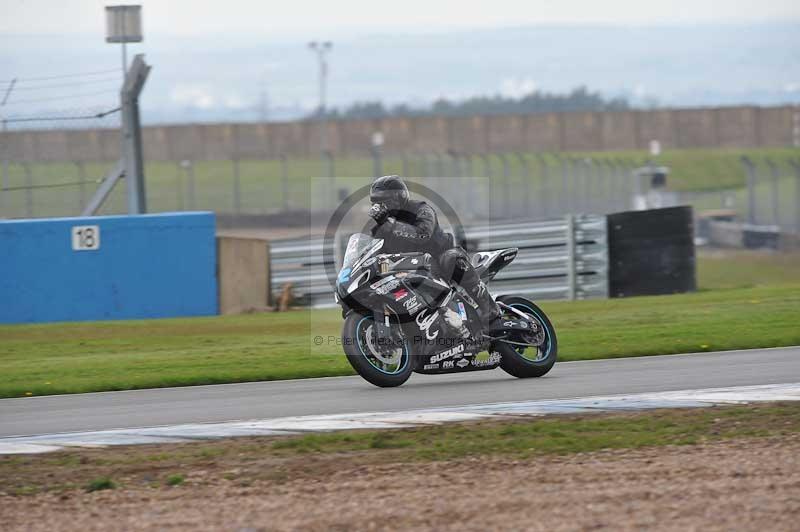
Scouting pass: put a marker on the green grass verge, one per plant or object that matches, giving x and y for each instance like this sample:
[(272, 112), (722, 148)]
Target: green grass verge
[(96, 356), (735, 268), (261, 188), (559, 435), (277, 459)]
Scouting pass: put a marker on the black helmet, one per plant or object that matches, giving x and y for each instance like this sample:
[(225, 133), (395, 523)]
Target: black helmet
[(389, 190)]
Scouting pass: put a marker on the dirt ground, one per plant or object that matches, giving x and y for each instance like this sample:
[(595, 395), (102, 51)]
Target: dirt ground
[(743, 484)]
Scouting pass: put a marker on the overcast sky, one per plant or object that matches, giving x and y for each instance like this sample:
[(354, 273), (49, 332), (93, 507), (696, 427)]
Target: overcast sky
[(333, 17)]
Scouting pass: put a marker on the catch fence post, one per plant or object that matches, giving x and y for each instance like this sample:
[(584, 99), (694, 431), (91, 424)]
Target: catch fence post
[(506, 185), (487, 173), (773, 189), (28, 190), (237, 193), (750, 169), (621, 188), (377, 163), (571, 278), (285, 182), (179, 188), (544, 189), (526, 176), (589, 177), (331, 170), (796, 167), (190, 185), (564, 183), (81, 185)]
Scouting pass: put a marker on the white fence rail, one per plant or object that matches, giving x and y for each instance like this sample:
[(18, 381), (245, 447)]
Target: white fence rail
[(559, 259)]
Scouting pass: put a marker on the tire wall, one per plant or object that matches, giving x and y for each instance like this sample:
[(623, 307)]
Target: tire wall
[(651, 252)]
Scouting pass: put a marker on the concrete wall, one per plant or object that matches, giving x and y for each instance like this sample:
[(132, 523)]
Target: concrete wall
[(148, 266), (734, 127), (243, 271)]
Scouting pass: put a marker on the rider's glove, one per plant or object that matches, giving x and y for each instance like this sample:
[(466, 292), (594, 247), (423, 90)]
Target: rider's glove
[(379, 212)]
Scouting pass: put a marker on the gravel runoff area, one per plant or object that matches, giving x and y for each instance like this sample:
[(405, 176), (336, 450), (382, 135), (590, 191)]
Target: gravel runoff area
[(740, 484)]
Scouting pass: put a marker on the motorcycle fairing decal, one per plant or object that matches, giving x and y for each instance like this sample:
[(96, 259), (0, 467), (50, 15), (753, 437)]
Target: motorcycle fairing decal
[(344, 275), (425, 321), (455, 351), (382, 282), (492, 360), (440, 282), (412, 305), (363, 277)]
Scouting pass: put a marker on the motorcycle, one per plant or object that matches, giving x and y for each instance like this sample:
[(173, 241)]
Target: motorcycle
[(400, 317)]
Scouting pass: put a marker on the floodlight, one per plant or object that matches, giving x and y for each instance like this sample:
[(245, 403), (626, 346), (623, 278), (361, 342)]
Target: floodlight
[(123, 24)]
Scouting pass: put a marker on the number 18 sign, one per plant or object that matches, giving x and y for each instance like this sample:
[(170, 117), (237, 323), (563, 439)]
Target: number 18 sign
[(86, 237)]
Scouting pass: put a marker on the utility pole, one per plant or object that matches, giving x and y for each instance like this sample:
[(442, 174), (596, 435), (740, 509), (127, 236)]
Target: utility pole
[(321, 50)]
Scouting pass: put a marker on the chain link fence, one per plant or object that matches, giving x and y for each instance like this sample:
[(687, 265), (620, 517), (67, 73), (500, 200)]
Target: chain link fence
[(53, 188), (503, 186)]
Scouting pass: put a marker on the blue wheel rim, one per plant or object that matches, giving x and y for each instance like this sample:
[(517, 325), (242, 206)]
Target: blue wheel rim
[(404, 358), (548, 345)]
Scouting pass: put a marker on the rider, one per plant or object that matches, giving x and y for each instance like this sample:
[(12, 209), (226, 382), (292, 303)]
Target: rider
[(408, 225)]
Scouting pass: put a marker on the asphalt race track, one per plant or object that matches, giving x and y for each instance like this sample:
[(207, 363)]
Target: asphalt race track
[(339, 395)]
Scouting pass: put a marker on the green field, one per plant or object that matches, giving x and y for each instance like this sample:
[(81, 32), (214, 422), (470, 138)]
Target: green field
[(262, 187), (81, 357), (732, 268)]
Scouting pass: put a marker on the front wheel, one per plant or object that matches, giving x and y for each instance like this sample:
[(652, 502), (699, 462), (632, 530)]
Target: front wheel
[(378, 360), (521, 361)]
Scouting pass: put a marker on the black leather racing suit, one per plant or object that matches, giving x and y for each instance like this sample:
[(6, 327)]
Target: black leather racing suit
[(416, 228)]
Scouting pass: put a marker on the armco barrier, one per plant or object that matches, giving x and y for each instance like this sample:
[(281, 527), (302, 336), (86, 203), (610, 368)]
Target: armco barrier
[(108, 267), (559, 259), (301, 263)]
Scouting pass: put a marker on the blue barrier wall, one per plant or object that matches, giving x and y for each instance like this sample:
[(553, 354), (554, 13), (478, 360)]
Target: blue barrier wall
[(147, 266)]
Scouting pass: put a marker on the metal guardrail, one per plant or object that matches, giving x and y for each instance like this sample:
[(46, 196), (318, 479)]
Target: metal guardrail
[(558, 259)]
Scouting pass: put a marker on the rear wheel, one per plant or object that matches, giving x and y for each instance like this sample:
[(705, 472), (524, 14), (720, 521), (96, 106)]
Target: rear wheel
[(377, 360), (521, 361)]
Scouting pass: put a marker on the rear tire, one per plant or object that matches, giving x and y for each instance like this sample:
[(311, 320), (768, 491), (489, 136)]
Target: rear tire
[(525, 362), (359, 345)]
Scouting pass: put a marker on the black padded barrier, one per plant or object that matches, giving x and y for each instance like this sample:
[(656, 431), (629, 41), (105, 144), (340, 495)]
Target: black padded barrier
[(651, 252)]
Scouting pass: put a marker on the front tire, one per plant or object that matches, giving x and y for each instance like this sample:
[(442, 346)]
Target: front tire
[(528, 362), (380, 366)]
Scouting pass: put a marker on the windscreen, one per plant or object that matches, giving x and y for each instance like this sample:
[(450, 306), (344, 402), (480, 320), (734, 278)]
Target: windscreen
[(359, 248)]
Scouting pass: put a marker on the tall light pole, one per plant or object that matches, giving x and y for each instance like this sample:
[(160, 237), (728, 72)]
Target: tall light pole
[(321, 50), (124, 25)]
